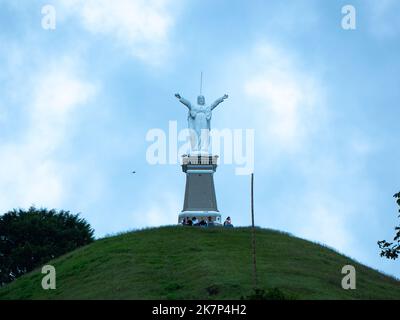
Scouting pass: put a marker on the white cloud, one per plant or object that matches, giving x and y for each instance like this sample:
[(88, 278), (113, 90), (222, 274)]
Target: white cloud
[(140, 26), (324, 220), (56, 94), (30, 173), (288, 101), (160, 209)]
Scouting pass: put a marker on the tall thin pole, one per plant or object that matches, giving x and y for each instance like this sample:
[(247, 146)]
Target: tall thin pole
[(201, 82), (253, 234)]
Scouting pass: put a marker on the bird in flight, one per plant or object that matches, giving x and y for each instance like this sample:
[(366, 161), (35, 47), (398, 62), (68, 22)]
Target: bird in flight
[(133, 171)]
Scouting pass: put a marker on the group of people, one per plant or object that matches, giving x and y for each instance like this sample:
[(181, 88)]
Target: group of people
[(205, 223)]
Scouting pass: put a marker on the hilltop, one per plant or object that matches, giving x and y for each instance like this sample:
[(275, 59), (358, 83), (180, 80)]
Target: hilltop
[(200, 263)]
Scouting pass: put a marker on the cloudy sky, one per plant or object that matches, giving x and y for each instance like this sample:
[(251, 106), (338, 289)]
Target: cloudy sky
[(77, 102)]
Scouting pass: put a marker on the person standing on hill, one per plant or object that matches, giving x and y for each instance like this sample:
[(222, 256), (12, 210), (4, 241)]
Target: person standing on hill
[(228, 222)]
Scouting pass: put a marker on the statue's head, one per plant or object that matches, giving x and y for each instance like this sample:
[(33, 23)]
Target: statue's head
[(201, 100)]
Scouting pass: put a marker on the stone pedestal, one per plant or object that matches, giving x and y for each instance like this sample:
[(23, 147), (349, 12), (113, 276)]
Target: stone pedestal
[(200, 200)]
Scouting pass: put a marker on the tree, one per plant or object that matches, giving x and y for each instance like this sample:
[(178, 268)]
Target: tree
[(391, 250), (29, 238)]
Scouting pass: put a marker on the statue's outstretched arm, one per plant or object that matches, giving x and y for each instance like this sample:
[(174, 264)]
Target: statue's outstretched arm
[(218, 101), (183, 100)]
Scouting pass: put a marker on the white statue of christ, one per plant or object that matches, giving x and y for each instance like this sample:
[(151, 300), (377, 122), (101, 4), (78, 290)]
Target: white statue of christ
[(199, 118)]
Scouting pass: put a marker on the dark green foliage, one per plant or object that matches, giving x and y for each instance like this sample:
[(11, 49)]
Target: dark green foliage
[(212, 290), (391, 250), (270, 294), (29, 238)]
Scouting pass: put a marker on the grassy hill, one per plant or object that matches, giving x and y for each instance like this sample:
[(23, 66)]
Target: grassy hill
[(197, 263)]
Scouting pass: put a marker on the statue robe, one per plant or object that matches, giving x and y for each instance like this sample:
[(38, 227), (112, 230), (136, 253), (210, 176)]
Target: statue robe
[(199, 123)]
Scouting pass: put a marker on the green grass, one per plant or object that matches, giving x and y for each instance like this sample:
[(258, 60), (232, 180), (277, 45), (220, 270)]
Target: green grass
[(197, 263)]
